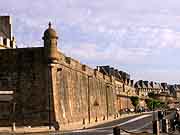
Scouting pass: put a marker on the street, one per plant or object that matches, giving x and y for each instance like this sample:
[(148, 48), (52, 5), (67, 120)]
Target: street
[(138, 123)]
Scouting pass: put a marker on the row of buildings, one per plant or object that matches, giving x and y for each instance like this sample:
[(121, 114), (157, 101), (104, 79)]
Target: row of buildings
[(145, 87), (142, 88)]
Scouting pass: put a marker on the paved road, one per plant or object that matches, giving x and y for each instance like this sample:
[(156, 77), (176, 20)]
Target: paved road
[(132, 124), (137, 123)]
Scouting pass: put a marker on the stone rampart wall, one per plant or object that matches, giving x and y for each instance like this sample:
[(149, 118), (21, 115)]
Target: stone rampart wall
[(86, 93), (78, 92), (23, 71)]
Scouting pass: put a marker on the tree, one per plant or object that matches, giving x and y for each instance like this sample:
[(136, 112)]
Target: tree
[(153, 104), (134, 101)]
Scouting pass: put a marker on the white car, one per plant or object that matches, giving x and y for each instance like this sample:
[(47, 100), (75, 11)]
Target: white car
[(131, 110)]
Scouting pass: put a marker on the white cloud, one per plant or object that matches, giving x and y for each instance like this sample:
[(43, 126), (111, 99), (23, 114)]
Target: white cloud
[(158, 76), (116, 32), (111, 54)]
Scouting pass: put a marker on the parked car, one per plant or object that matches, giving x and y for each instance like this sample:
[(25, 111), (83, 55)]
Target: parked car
[(131, 109)]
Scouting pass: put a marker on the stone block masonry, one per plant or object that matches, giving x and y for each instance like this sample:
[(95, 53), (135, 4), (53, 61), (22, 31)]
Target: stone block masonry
[(82, 91), (23, 72), (49, 88)]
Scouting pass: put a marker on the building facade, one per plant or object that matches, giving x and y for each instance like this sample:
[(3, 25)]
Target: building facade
[(145, 87)]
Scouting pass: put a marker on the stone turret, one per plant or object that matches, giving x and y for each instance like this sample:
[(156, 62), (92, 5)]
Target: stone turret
[(50, 44)]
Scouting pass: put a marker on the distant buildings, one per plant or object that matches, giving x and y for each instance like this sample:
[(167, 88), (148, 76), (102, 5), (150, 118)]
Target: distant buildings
[(174, 90), (120, 75), (142, 88), (145, 87)]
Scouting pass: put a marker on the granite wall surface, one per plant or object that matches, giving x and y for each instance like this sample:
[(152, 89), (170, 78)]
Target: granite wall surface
[(23, 71), (64, 92)]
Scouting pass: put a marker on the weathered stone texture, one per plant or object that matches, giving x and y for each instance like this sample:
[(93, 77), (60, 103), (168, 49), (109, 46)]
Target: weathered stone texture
[(82, 93), (49, 87), (123, 102), (74, 92), (23, 71), (76, 86)]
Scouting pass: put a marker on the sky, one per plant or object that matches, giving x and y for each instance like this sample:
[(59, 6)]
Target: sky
[(137, 36)]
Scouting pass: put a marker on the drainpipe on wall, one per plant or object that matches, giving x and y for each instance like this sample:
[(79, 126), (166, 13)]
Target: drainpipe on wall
[(89, 108), (107, 102)]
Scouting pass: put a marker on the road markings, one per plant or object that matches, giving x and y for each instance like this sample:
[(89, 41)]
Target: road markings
[(145, 125), (132, 120), (105, 128)]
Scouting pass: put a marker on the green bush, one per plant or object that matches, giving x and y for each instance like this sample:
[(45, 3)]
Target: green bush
[(154, 104)]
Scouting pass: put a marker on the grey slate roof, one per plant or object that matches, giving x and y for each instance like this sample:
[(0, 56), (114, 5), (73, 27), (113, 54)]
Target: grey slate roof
[(148, 85), (140, 84), (114, 72)]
